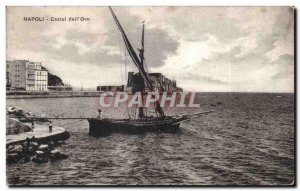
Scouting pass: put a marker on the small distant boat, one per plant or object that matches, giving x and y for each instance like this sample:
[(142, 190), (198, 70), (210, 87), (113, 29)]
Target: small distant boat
[(11, 110)]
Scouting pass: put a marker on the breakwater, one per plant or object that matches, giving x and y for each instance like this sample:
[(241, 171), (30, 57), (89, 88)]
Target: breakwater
[(50, 94)]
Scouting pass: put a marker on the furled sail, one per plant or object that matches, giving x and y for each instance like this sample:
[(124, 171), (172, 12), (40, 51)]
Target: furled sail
[(138, 62), (131, 52)]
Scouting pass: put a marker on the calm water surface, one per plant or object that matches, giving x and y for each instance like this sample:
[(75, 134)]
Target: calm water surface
[(249, 142)]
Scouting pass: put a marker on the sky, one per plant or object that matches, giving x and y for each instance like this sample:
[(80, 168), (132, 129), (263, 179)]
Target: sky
[(206, 49)]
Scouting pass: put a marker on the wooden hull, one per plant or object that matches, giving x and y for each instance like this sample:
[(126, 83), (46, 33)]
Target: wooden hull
[(105, 126)]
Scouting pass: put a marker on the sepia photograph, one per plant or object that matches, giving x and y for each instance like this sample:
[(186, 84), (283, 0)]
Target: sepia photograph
[(150, 96)]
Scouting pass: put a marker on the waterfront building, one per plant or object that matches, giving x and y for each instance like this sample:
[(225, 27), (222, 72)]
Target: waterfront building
[(25, 75), (111, 88), (8, 63), (159, 82)]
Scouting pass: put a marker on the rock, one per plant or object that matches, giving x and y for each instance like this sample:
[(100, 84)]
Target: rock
[(16, 149), (10, 149), (31, 150), (56, 155), (43, 147), (11, 110), (40, 157), (55, 151), (51, 145), (39, 152)]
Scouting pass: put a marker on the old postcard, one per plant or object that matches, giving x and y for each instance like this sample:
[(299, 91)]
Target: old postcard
[(150, 96)]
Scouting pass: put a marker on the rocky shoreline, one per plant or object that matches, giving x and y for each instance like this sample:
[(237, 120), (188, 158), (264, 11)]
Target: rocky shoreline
[(34, 151), (36, 146)]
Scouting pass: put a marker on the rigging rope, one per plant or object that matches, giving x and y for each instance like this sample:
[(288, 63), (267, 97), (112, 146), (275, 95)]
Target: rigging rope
[(146, 66), (126, 73), (120, 59), (71, 123)]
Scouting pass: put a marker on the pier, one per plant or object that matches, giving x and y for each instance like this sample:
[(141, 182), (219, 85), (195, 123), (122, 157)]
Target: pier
[(41, 134)]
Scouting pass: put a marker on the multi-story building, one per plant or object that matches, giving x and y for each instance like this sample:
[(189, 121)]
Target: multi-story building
[(28, 76), (8, 63)]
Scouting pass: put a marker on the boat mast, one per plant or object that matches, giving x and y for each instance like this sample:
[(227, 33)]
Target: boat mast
[(141, 109), (142, 49)]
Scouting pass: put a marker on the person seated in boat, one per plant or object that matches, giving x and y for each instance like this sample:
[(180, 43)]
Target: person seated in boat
[(99, 114)]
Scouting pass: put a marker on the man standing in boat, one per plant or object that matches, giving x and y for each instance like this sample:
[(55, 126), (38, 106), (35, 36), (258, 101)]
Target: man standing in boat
[(50, 127), (99, 114)]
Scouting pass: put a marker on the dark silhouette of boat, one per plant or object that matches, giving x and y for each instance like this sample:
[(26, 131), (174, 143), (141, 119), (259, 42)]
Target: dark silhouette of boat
[(143, 123), (149, 124)]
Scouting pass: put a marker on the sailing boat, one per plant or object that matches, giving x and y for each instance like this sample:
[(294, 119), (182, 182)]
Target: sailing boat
[(143, 123)]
